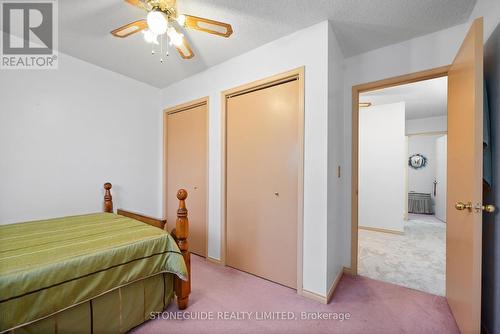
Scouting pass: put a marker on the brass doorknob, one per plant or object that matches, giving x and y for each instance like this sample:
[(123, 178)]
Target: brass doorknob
[(477, 208), (488, 208), (463, 206)]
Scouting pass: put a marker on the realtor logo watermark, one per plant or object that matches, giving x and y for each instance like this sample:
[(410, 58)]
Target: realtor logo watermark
[(29, 34)]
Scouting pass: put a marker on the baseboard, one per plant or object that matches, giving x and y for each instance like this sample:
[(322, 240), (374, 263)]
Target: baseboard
[(334, 285), (323, 299), (216, 261), (376, 229), (314, 296), (347, 271)]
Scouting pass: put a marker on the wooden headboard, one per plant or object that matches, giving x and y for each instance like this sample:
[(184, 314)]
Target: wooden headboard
[(180, 234)]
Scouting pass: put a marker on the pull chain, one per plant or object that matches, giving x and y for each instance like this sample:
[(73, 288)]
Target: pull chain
[(161, 50)]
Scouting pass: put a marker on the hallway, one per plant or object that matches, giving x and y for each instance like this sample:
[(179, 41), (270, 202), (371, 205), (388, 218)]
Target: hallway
[(415, 259)]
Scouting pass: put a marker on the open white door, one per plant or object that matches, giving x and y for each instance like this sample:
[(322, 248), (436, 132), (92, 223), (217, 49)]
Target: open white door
[(465, 168)]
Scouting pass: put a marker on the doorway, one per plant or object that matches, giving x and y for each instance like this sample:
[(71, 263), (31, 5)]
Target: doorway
[(464, 201), (263, 175), (185, 163), (402, 185)]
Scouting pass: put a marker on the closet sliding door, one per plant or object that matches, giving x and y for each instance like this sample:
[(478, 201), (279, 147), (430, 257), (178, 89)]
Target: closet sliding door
[(262, 171), (186, 167)]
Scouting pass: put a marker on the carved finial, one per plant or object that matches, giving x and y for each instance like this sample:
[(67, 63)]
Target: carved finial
[(182, 194), (108, 199)]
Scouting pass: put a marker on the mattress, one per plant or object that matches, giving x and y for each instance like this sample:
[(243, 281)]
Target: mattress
[(50, 265)]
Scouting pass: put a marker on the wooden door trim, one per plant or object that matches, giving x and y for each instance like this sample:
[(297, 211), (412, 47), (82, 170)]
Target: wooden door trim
[(356, 90), (173, 110), (297, 73)]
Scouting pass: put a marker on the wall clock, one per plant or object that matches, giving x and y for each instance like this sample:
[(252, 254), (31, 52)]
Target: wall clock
[(417, 161)]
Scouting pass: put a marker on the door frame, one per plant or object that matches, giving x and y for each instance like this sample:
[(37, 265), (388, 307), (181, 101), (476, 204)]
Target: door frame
[(297, 73), (356, 90), (173, 110)]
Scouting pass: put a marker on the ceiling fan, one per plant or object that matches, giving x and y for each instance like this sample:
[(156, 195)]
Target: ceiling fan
[(162, 20)]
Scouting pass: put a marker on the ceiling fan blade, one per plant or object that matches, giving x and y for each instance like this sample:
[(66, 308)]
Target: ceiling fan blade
[(206, 25), (184, 49), (130, 29)]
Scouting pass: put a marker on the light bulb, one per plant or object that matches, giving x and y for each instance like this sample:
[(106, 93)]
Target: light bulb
[(175, 38), (181, 19), (157, 22), (150, 37)]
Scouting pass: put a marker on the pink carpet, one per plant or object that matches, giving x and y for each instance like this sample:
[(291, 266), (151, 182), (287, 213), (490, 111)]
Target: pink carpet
[(374, 307)]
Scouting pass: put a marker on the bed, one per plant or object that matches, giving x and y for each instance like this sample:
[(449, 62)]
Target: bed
[(93, 273)]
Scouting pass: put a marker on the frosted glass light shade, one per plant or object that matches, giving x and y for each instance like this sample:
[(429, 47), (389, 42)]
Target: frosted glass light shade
[(150, 37), (175, 38), (157, 22)]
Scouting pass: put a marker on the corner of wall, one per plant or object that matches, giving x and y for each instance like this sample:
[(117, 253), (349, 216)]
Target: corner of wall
[(335, 188), (490, 11)]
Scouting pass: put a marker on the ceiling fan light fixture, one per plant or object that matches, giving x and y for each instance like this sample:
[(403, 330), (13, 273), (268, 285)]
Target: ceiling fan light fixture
[(181, 19), (157, 22), (150, 37), (176, 38)]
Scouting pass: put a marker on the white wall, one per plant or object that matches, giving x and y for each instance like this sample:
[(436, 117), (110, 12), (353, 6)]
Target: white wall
[(64, 132), (422, 180), (335, 212), (382, 164), (428, 124), (441, 177), (278, 56), (490, 9)]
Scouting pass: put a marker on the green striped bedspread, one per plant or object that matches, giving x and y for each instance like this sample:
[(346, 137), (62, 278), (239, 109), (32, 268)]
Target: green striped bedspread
[(49, 265)]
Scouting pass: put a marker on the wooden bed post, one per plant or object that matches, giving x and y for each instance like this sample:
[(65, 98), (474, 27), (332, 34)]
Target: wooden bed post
[(108, 199), (182, 288), (180, 233)]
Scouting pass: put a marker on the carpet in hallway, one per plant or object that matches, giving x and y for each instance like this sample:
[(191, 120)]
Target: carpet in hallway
[(416, 259)]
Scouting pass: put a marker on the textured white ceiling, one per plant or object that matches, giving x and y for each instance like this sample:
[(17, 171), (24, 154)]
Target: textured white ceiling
[(423, 99), (360, 25)]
